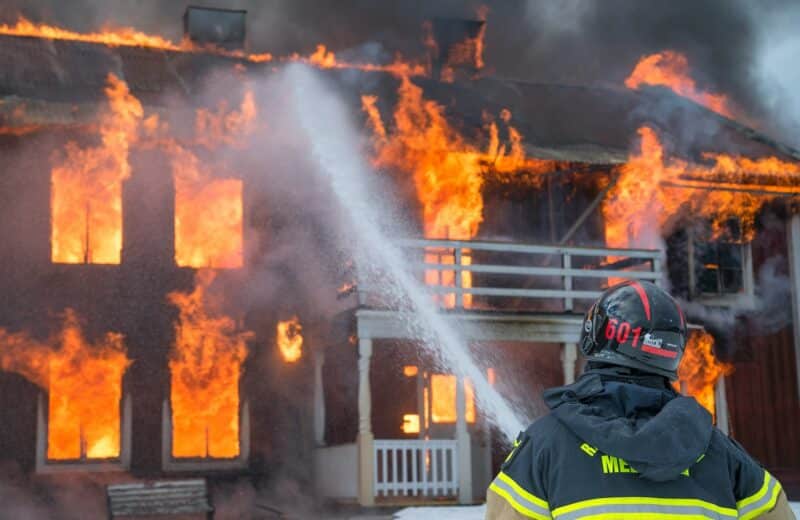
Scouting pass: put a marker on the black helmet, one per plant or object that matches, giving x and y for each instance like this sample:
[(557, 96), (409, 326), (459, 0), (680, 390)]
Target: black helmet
[(636, 325)]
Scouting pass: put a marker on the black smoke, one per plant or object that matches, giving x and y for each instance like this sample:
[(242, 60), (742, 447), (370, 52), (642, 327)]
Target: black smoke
[(732, 46)]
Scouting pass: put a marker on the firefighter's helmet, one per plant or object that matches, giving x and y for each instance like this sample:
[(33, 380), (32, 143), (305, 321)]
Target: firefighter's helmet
[(636, 325)]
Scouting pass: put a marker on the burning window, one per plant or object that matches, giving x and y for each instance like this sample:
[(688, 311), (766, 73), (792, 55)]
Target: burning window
[(206, 366), (83, 382), (443, 399), (86, 193)]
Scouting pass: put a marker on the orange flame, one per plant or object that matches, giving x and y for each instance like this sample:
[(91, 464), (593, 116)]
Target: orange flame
[(644, 198), (84, 385), (325, 58), (205, 365), (290, 340), (121, 37), (86, 196), (671, 69), (443, 399), (448, 172), (699, 370), (208, 210), (410, 423)]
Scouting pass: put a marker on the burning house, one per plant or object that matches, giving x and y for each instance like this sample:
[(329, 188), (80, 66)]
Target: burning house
[(159, 320)]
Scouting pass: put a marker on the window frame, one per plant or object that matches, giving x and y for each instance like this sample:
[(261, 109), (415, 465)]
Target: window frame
[(744, 298), (120, 463)]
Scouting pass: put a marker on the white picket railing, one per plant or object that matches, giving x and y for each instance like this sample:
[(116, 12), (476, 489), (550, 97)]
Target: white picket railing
[(415, 468), (501, 273)]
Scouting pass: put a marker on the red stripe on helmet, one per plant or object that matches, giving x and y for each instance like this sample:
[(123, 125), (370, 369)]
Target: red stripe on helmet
[(660, 351), (643, 295)]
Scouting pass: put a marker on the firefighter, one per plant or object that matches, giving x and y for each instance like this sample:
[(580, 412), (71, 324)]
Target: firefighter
[(620, 442)]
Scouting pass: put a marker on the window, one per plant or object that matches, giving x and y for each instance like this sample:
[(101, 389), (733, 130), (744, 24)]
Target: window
[(720, 268), (69, 438)]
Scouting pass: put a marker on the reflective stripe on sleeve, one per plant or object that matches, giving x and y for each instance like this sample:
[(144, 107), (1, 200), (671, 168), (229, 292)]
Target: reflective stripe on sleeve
[(762, 500), (521, 500), (643, 507)]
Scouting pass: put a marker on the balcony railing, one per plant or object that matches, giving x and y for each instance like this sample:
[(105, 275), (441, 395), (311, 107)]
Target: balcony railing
[(479, 275)]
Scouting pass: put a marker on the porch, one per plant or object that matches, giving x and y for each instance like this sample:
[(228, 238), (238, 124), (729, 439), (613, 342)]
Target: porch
[(492, 292)]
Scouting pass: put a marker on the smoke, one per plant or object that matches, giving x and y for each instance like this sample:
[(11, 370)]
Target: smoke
[(733, 47), (774, 69)]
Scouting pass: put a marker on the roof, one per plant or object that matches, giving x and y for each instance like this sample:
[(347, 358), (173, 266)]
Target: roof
[(60, 82)]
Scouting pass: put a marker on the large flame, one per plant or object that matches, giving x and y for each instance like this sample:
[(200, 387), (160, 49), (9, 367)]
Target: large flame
[(699, 370), (289, 339), (121, 36), (448, 171), (86, 195), (653, 188), (671, 69), (205, 365), (84, 386), (208, 209)]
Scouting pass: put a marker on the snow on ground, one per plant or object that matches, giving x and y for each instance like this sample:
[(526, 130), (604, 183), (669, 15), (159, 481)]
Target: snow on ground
[(441, 513), (471, 513)]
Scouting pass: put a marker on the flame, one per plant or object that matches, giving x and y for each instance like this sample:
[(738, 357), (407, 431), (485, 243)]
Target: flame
[(699, 369), (671, 69), (410, 423), (208, 209), (121, 37), (205, 367), (84, 385), (325, 58), (644, 199), (86, 196), (410, 370), (290, 340), (443, 399), (448, 172)]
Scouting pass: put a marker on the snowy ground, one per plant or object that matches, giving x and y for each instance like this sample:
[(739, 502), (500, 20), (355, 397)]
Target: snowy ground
[(471, 513)]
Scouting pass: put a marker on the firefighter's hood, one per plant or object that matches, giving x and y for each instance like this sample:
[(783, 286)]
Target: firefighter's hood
[(636, 418)]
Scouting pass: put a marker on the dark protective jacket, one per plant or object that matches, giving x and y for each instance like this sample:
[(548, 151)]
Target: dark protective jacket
[(618, 444)]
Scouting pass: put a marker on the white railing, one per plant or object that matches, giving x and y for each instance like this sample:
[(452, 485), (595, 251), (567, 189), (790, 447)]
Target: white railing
[(504, 274), (415, 468)]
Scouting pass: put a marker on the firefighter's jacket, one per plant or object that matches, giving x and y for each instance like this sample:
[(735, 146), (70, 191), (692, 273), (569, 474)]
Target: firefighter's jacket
[(618, 445)]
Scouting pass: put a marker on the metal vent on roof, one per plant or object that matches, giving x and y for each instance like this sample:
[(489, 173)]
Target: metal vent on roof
[(220, 27)]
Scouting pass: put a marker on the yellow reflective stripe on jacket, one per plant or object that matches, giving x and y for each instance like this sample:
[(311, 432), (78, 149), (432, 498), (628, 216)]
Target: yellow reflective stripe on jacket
[(521, 500), (762, 500), (643, 507)]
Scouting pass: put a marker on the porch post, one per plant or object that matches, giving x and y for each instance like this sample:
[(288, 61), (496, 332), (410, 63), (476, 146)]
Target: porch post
[(319, 399), (793, 233), (569, 355), (463, 446), (365, 440)]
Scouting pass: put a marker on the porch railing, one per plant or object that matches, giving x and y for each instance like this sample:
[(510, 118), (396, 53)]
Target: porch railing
[(508, 275), (415, 468)]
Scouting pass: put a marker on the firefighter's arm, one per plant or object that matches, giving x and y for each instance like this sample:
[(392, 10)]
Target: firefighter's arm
[(517, 492), (758, 494), (781, 511)]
